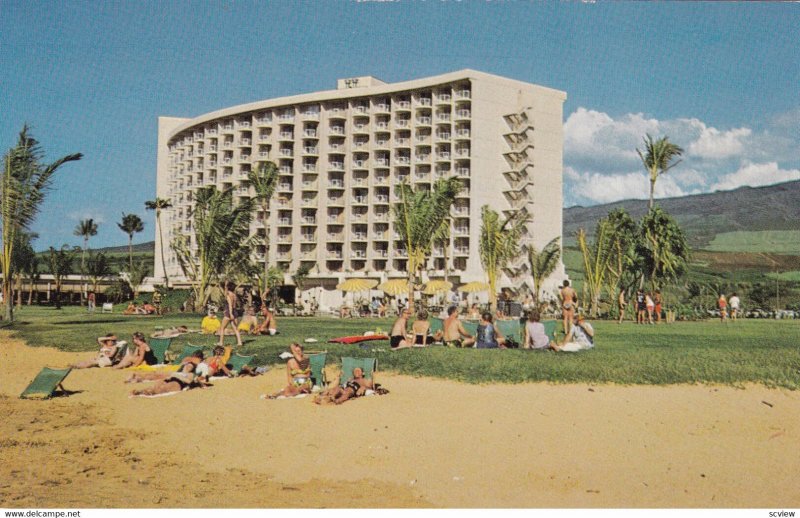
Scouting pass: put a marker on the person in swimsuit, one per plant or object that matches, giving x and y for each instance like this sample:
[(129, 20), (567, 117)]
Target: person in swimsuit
[(108, 351), (454, 333), (195, 359), (723, 308), (137, 355), (218, 362), (650, 306), (229, 315), (269, 326), (420, 330), (488, 337), (622, 305), (734, 302), (641, 307), (174, 382), (569, 300), (355, 387), (298, 374), (398, 335), (658, 300)]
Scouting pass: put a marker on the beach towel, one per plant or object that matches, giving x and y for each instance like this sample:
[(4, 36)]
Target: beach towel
[(45, 383), (356, 339)]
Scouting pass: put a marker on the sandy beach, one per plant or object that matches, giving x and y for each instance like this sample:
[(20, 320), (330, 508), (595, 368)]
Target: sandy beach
[(429, 443)]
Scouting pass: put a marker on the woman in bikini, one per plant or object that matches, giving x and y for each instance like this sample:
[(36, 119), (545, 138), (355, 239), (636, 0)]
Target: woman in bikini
[(298, 374), (229, 315), (355, 387), (195, 359), (420, 330), (569, 300), (138, 355), (174, 382)]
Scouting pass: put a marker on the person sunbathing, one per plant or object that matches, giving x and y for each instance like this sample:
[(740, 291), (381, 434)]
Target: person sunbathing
[(210, 324), (269, 326), (420, 331), (298, 374), (109, 345), (138, 355), (217, 363), (249, 322), (355, 387), (175, 382), (131, 309), (196, 358)]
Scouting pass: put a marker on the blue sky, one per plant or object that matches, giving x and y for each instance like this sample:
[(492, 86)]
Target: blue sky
[(721, 80)]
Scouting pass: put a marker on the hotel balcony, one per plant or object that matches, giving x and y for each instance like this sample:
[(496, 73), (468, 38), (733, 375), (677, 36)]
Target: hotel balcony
[(287, 152), (310, 133), (285, 222), (401, 123), (382, 108), (336, 184), (309, 168), (463, 114), (424, 121), (336, 166), (403, 106), (337, 130), (311, 150), (336, 237), (462, 171), (308, 220), (308, 238)]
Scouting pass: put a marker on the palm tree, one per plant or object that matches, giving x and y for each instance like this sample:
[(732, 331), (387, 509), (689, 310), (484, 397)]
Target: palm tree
[(98, 267), (662, 247), (442, 236), (264, 179), (60, 262), (499, 244), (657, 158), (543, 264), (418, 215), (31, 270), (158, 205), (131, 224), (86, 228), (221, 231), (25, 181)]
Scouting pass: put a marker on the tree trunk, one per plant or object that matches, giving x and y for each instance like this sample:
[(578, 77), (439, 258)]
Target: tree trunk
[(130, 253), (30, 292), (652, 191), (161, 241), (83, 266)]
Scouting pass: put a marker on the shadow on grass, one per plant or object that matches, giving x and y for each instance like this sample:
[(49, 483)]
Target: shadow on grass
[(89, 322)]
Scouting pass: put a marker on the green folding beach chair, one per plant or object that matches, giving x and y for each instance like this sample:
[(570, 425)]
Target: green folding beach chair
[(159, 347), (368, 365), (318, 368), (188, 350), (45, 384), (471, 327), (237, 362)]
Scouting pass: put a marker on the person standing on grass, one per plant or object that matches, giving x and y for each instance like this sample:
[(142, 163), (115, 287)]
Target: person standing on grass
[(569, 300), (229, 315), (650, 306), (622, 305), (658, 299), (641, 307), (723, 308), (734, 302)]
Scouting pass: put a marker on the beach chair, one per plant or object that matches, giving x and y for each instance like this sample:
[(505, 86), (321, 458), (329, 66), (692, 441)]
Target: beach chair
[(368, 365), (187, 351), (318, 368), (159, 347), (108, 307), (237, 362), (45, 384), (471, 327)]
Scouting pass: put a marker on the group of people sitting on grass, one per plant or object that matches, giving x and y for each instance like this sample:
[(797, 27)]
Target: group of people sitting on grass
[(579, 334)]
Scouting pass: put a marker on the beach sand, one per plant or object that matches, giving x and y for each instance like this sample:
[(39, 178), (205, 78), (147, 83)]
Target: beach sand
[(429, 443)]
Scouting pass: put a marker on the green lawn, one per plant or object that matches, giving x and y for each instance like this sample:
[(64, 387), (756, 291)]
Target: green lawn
[(759, 351), (767, 241)]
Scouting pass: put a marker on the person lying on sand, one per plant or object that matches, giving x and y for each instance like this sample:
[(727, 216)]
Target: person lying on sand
[(176, 381), (109, 345), (137, 355), (137, 377), (355, 387), (216, 364), (298, 374)]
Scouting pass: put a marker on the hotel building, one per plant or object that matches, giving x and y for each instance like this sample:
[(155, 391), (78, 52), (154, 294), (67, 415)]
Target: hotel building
[(341, 154)]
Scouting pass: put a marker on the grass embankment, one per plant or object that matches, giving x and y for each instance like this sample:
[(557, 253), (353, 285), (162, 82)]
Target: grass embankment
[(762, 351)]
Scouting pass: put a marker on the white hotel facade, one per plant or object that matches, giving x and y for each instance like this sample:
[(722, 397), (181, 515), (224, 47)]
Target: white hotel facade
[(341, 153)]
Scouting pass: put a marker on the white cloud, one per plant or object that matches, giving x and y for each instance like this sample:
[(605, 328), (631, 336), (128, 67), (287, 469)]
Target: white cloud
[(716, 144), (755, 175), (601, 163)]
